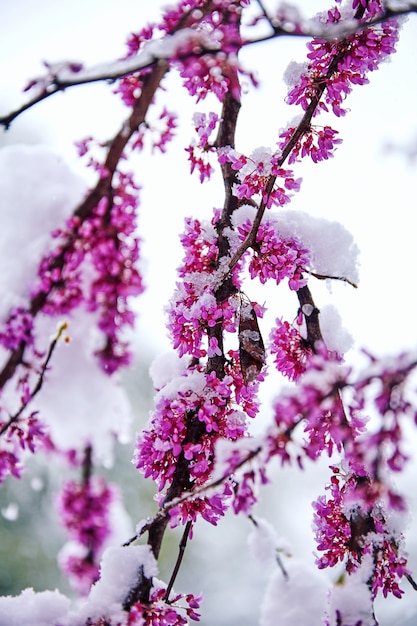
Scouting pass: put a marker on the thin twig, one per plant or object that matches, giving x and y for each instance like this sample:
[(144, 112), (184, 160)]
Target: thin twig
[(411, 581), (181, 550), (325, 277), (163, 512), (41, 378)]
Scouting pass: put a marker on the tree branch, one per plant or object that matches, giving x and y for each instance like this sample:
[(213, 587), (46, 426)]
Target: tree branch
[(102, 189), (152, 53), (181, 550), (303, 127), (41, 378)]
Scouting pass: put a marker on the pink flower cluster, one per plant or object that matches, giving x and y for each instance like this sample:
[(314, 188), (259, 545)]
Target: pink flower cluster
[(159, 612), (198, 153), (347, 531), (209, 508), (215, 73), (157, 133), (206, 62), (314, 407), (94, 264), (204, 403), (17, 328), (276, 257), (83, 509), (290, 350), (317, 143), (193, 306), (17, 437), (356, 55), (256, 171)]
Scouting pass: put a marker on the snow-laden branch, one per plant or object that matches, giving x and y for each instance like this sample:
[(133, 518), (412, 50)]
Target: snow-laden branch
[(67, 74), (292, 24)]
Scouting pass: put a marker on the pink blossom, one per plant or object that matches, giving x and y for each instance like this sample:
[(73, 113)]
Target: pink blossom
[(84, 511), (347, 532), (357, 55), (290, 350), (159, 612), (255, 173), (318, 144), (18, 328), (276, 257)]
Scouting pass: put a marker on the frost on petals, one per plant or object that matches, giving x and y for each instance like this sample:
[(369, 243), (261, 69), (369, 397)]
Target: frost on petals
[(193, 306), (94, 264), (276, 257), (203, 406), (356, 55), (348, 531), (254, 173)]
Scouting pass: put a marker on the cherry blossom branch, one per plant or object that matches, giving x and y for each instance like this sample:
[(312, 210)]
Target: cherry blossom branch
[(329, 32), (103, 189), (303, 127), (69, 74), (65, 77), (195, 428), (216, 362), (402, 369), (163, 512), (41, 379)]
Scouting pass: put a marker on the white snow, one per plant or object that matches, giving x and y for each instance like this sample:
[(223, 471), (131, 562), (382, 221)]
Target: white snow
[(29, 211), (191, 381), (120, 568), (333, 249), (163, 48), (293, 73), (352, 598), (78, 402), (334, 252), (119, 572), (298, 600), (33, 609), (263, 542), (336, 337)]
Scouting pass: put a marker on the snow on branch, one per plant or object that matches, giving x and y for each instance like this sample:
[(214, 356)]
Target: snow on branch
[(186, 43)]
